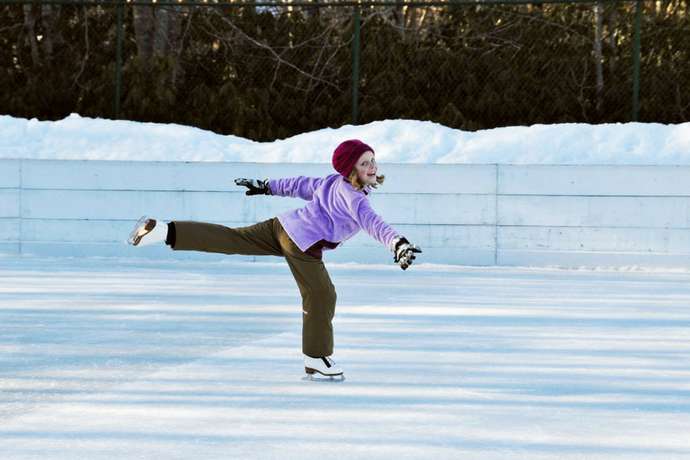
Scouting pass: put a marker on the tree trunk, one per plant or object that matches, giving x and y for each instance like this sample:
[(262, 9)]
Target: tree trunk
[(613, 46), (50, 16), (312, 11), (144, 29), (30, 33), (166, 31), (411, 19), (599, 55), (399, 16), (158, 32)]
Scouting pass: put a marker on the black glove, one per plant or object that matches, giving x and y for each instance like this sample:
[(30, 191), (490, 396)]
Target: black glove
[(404, 252), (255, 186)]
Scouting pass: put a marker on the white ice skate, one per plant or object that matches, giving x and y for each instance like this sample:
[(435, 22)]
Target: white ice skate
[(323, 368), (148, 231)]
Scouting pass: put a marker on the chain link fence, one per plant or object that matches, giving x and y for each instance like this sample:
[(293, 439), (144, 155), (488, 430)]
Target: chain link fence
[(272, 70)]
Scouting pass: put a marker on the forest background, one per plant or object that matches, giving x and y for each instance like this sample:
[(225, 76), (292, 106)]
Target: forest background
[(272, 70)]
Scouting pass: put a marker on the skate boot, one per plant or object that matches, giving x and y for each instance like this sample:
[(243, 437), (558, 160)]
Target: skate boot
[(322, 368), (148, 231)]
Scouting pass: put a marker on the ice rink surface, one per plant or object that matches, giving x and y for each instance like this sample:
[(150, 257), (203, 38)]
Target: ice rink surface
[(121, 359)]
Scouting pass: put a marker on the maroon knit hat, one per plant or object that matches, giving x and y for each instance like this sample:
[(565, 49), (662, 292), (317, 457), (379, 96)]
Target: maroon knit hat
[(347, 154)]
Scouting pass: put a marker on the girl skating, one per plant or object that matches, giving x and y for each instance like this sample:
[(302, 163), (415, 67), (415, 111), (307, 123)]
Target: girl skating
[(337, 209)]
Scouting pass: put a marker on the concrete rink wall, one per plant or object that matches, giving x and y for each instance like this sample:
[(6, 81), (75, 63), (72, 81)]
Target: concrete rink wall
[(511, 215)]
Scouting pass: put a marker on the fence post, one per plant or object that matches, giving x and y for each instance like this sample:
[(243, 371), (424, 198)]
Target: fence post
[(355, 65), (118, 58), (636, 62)]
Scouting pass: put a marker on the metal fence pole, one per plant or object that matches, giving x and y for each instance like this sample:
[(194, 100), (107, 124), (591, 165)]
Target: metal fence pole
[(636, 62), (118, 58), (355, 65)]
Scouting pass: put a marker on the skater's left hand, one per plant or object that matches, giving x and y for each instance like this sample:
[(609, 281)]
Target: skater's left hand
[(404, 252)]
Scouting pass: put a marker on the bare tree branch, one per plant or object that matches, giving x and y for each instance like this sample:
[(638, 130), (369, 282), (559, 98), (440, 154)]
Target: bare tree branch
[(86, 52), (277, 56)]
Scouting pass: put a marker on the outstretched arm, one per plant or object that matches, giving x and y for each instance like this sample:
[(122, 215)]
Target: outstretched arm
[(296, 187), (377, 228)]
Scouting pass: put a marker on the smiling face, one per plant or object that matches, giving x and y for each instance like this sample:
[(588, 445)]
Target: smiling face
[(366, 168)]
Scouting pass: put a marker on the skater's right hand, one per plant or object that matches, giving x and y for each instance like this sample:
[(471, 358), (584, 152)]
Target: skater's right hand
[(255, 186)]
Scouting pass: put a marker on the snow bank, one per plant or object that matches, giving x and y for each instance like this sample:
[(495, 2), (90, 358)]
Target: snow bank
[(395, 141)]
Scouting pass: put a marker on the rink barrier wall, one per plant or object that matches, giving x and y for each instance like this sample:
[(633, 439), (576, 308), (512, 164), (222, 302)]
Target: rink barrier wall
[(535, 215)]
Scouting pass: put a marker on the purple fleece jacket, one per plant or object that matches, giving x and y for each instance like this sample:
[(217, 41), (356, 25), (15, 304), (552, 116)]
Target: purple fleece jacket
[(336, 211)]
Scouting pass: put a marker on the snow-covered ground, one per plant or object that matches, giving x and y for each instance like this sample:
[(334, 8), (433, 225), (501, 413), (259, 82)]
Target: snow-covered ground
[(117, 359), (395, 141)]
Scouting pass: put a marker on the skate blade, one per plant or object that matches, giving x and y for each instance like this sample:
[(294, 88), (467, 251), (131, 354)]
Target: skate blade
[(324, 378), (142, 228), (315, 376)]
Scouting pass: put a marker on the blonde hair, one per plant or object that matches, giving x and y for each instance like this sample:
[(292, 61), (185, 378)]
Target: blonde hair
[(354, 180)]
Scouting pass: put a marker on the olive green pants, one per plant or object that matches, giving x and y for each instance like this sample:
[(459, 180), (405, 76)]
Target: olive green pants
[(268, 238)]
